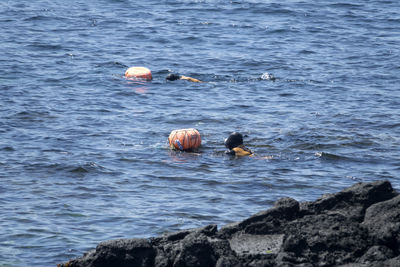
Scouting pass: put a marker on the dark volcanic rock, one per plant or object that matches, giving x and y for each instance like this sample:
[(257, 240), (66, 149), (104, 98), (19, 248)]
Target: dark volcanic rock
[(121, 252), (383, 223), (359, 226)]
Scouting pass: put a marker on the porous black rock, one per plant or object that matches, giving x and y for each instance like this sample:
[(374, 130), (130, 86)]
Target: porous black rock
[(359, 226)]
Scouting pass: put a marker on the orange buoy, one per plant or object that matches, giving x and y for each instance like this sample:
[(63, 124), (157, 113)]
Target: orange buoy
[(184, 139), (138, 72)]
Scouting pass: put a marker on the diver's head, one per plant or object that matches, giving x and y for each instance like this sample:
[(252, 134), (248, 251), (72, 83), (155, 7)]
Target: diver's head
[(173, 77), (235, 139)]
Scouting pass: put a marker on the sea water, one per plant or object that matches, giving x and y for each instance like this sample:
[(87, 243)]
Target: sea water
[(312, 85)]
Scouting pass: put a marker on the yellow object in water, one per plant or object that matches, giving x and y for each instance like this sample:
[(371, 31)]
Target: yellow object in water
[(190, 79), (242, 151)]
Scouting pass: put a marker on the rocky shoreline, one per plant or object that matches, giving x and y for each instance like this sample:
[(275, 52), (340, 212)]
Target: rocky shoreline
[(359, 226)]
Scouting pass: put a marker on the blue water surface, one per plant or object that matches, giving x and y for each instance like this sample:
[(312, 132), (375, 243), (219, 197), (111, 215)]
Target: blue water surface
[(312, 85)]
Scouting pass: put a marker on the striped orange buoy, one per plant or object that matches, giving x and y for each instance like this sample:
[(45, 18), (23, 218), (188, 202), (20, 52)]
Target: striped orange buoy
[(138, 72), (184, 139)]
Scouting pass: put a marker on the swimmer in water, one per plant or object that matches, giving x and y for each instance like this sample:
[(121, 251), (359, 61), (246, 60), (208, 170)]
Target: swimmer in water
[(174, 77), (235, 145)]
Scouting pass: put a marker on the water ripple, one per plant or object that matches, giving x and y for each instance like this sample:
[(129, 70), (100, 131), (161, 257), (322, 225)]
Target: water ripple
[(84, 152)]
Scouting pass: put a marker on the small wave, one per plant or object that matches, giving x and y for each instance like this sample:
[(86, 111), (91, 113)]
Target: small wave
[(7, 148), (272, 31), (37, 17), (307, 52), (32, 116), (329, 156), (346, 5), (287, 95), (313, 146), (72, 169), (275, 9), (43, 46), (112, 63), (86, 168), (79, 169)]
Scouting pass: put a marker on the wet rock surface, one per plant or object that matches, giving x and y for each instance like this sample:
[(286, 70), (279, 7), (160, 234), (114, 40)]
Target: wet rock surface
[(359, 226)]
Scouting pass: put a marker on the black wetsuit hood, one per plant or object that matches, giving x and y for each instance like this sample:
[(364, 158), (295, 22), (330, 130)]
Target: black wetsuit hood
[(235, 139), (173, 77)]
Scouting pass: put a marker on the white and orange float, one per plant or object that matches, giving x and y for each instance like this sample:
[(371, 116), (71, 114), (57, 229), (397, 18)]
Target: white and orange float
[(184, 139), (138, 73)]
